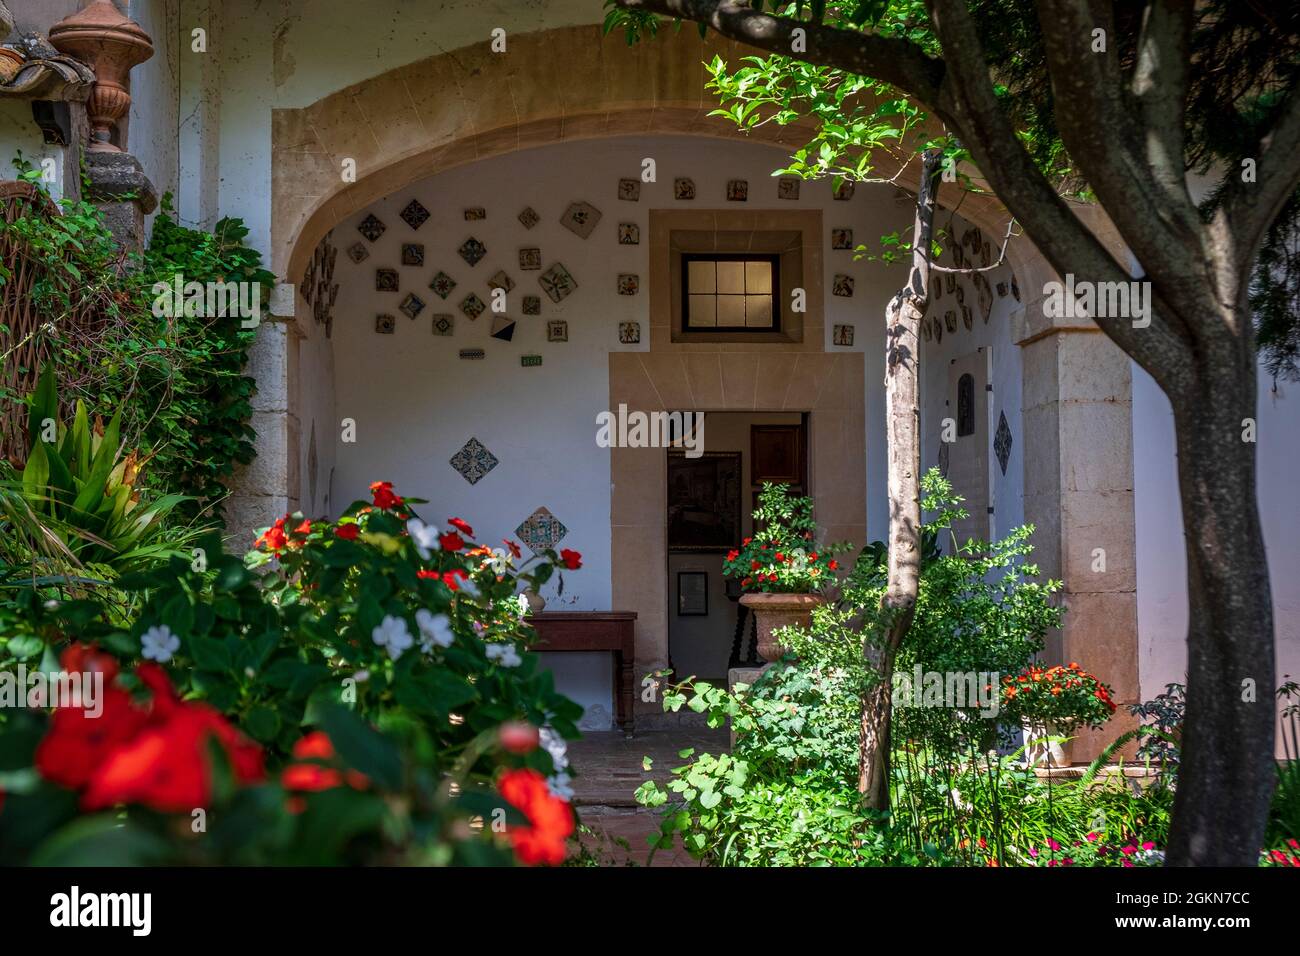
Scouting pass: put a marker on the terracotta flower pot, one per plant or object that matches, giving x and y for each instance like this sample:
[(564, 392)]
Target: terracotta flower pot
[(11, 61), (775, 611)]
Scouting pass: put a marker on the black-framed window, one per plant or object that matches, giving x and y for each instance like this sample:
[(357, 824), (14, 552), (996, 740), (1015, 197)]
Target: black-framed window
[(731, 292)]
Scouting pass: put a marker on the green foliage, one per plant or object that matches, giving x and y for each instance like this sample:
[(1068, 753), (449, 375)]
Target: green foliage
[(783, 555)]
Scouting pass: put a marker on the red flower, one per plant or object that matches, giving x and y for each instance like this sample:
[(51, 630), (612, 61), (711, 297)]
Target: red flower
[(316, 746), (273, 537), (572, 559), (451, 541), (348, 532), (514, 548), (550, 819), (87, 659), (449, 578), (780, 556), (834, 565), (383, 495), (746, 541), (461, 526), (518, 737), (813, 556), (433, 575), (304, 528), (754, 565), (76, 743)]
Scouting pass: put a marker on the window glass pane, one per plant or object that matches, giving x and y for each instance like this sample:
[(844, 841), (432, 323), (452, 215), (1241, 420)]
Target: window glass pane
[(731, 277), (731, 310), (701, 277), (758, 277), (758, 311), (704, 310)]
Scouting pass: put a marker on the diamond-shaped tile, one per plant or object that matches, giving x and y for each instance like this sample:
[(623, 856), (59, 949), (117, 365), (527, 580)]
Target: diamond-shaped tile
[(529, 217), (1002, 441), (556, 282), (444, 324), (541, 530), (580, 218), (501, 281), (414, 215), (442, 285), (471, 250), (412, 305), (472, 306), (358, 252), (371, 227), (473, 461)]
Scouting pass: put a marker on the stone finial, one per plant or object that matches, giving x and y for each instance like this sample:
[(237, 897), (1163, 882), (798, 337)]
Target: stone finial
[(111, 44)]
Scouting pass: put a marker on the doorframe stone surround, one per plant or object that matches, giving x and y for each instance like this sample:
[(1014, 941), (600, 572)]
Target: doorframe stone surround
[(572, 83)]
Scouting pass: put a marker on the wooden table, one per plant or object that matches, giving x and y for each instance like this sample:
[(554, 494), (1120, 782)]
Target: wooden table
[(594, 631)]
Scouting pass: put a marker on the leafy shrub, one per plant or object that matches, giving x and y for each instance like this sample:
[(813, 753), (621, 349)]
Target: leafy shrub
[(783, 556)]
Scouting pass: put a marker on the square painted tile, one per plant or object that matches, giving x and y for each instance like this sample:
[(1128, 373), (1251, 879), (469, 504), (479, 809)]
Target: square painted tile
[(472, 251), (541, 530), (557, 330), (472, 306), (386, 280), (737, 190), (842, 286), (629, 333), (473, 461), (532, 305), (628, 284), (629, 234), (580, 219), (683, 188), (412, 253), (529, 217), (385, 324), (358, 252), (787, 187), (442, 285), (629, 189), (530, 259), (844, 191), (841, 238), (414, 215), (371, 227), (444, 324), (842, 335), (501, 281), (412, 305), (556, 282), (475, 214)]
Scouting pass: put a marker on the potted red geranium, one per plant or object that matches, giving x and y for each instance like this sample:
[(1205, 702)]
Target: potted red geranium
[(781, 568), (1052, 702)]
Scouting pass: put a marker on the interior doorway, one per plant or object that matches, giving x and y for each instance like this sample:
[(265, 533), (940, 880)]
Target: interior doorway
[(708, 512), (970, 452)]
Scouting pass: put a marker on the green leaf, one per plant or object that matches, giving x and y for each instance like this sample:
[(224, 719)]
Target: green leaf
[(362, 747)]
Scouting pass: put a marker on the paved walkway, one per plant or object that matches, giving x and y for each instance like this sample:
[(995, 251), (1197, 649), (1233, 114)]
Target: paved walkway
[(609, 769)]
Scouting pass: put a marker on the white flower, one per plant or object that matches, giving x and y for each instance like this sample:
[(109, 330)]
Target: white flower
[(554, 745), (560, 787), (434, 629), (393, 634), (499, 560), (424, 536), (503, 654), (159, 644), (523, 605), (361, 676)]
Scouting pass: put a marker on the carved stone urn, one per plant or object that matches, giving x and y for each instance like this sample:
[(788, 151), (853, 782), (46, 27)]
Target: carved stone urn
[(110, 43), (775, 611)]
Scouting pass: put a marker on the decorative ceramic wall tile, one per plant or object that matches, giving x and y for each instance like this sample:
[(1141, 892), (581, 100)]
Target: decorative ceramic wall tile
[(1002, 441), (841, 238), (385, 324), (842, 286), (412, 305), (442, 285), (983, 296), (843, 335), (683, 188), (629, 189), (532, 305), (444, 324), (925, 327), (530, 259), (472, 354), (967, 317), (530, 361), (414, 215), (529, 217), (629, 333), (960, 292), (580, 218), (1015, 288), (787, 187), (386, 280), (541, 530), (371, 227), (959, 257), (472, 306), (628, 284), (503, 328), (1002, 290), (475, 213), (938, 329), (844, 191), (556, 282), (737, 190), (557, 330), (412, 254), (473, 461), (501, 281), (950, 320), (937, 288), (471, 250), (358, 252), (629, 234), (944, 455)]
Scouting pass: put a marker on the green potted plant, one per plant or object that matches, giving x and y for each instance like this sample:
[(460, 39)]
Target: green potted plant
[(1053, 702), (781, 568)]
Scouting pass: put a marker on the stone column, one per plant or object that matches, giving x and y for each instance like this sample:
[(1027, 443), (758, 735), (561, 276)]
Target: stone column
[(1076, 416)]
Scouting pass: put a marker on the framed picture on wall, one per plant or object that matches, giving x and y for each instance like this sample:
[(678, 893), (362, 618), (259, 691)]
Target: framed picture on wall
[(776, 454), (704, 501), (692, 593)]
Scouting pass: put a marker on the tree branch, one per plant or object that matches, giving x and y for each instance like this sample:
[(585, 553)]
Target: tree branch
[(1251, 207), (1159, 87)]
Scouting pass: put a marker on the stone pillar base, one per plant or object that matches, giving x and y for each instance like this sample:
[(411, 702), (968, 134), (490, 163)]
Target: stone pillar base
[(123, 193)]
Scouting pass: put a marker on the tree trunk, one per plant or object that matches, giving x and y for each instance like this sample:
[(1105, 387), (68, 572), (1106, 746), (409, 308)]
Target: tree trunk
[(902, 424), (1227, 774)]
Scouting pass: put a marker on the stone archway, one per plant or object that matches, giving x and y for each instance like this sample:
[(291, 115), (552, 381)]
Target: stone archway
[(571, 84)]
